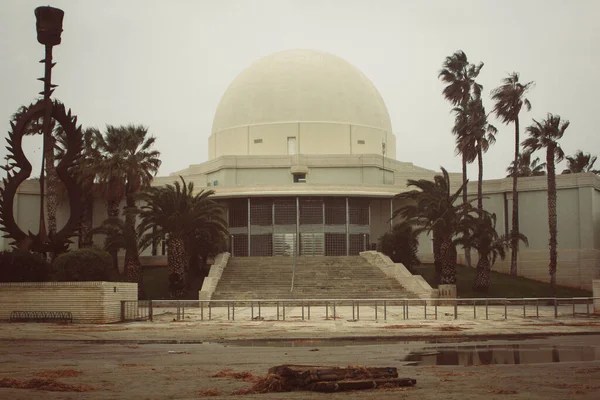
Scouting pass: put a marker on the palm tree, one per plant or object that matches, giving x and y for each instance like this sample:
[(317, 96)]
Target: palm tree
[(479, 233), (509, 99), (86, 173), (401, 245), (526, 167), (459, 76), (175, 212), (120, 236), (127, 166), (482, 135), (580, 162), (431, 208), (546, 134)]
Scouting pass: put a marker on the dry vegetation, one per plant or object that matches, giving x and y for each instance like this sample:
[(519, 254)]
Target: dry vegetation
[(240, 376), (44, 384), (209, 392), (59, 373)]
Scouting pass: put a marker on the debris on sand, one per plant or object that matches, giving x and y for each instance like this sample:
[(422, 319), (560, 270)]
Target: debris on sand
[(59, 373), (245, 376), (271, 383), (401, 327), (44, 384), (450, 328), (286, 378), (209, 392)]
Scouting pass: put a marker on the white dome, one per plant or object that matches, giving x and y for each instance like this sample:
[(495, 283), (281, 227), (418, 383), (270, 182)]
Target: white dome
[(301, 86)]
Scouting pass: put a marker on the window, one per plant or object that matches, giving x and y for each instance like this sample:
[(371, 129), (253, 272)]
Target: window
[(299, 178), (291, 142)]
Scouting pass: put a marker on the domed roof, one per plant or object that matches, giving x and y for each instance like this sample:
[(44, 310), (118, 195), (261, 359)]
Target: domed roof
[(301, 86)]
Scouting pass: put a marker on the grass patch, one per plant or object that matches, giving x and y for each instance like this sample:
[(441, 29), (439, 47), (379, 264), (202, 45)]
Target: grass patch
[(156, 284), (503, 285)]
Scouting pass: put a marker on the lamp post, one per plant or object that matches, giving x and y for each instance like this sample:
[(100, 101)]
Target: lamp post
[(49, 27)]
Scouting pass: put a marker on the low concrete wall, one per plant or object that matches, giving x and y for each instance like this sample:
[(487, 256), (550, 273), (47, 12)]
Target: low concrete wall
[(210, 282), (596, 291), (89, 302), (576, 268), (412, 283)]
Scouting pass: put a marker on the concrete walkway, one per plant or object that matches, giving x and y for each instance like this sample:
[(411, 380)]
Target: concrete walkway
[(393, 322)]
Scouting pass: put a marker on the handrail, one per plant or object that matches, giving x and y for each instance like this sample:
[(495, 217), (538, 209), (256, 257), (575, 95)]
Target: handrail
[(458, 304), (409, 299)]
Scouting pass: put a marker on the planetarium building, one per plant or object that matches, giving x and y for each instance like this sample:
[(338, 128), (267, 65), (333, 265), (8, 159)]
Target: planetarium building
[(303, 155)]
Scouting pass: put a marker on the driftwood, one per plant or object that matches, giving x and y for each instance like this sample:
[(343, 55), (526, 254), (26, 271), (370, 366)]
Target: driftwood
[(334, 379), (342, 386)]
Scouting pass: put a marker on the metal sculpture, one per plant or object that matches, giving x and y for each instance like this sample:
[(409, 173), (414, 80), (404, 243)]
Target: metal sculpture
[(49, 28)]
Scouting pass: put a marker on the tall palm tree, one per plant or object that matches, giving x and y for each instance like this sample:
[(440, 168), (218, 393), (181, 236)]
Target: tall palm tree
[(175, 212), (431, 207), (526, 167), (128, 165), (546, 134), (509, 99), (479, 233), (120, 236), (86, 173), (459, 76), (580, 162), (482, 135)]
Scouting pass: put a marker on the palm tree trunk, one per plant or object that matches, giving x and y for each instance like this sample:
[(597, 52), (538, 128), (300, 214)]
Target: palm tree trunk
[(448, 255), (515, 211), (134, 272), (177, 260), (437, 259), (552, 215), (51, 188), (112, 209), (465, 201), (483, 275), (87, 221), (480, 178)]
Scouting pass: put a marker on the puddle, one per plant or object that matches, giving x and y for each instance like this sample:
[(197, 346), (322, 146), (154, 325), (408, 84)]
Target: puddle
[(317, 343), (502, 354)]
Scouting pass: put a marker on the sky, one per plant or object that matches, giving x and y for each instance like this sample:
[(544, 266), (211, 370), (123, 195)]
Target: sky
[(166, 64)]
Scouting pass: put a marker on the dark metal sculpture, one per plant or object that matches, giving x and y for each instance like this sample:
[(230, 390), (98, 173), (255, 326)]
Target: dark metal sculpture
[(49, 28)]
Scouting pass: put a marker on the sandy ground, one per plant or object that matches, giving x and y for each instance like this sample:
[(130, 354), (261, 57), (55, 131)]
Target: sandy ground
[(181, 371), (168, 359)]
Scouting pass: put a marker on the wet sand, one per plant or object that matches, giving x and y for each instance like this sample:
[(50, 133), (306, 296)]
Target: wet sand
[(181, 371)]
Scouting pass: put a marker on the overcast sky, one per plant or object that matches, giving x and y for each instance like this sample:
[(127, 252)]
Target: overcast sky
[(166, 64)]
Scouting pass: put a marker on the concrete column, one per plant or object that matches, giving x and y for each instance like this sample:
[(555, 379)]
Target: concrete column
[(586, 218), (249, 233), (391, 213), (297, 226), (347, 228), (370, 230)]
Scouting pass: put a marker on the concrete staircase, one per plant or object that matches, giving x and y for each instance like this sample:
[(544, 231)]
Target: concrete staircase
[(316, 278)]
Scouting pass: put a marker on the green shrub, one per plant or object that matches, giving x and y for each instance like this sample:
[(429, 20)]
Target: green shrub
[(82, 265), (401, 245), (23, 266)]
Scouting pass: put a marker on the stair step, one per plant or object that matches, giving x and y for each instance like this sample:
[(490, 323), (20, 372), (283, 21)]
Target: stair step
[(315, 277)]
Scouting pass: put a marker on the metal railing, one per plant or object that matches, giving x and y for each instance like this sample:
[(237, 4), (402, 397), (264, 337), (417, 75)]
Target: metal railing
[(358, 309)]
